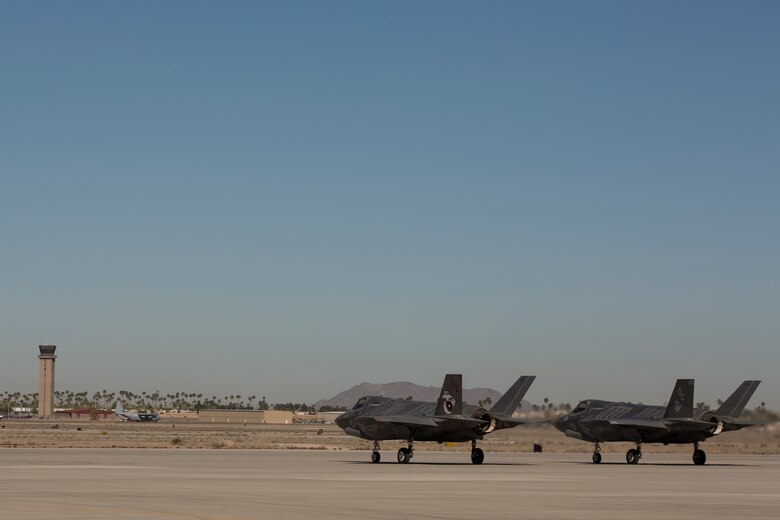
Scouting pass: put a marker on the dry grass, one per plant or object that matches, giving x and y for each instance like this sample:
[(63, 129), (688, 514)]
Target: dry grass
[(194, 435)]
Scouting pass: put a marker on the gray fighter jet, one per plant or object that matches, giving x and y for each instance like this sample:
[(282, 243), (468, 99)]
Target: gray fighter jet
[(678, 423), (379, 418)]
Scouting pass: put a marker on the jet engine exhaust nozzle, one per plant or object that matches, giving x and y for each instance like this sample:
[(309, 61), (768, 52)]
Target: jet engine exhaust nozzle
[(484, 415)]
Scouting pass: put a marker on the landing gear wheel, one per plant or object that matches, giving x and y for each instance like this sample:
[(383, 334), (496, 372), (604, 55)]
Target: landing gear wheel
[(375, 457), (699, 457), (632, 456), (597, 458), (477, 456), (404, 455)]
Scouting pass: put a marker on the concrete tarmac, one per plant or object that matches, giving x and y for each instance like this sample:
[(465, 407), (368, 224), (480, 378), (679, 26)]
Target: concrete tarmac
[(244, 484)]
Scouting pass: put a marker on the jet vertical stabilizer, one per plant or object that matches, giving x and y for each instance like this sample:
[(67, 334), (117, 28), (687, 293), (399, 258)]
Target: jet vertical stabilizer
[(451, 398), (737, 401), (511, 399), (681, 402)]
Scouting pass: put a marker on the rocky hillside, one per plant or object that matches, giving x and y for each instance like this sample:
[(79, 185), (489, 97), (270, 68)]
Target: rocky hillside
[(404, 389)]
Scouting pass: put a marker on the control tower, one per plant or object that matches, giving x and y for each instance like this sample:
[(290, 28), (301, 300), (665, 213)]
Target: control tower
[(46, 381)]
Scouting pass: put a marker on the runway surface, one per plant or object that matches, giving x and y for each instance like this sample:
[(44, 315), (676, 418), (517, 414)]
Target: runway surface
[(243, 484)]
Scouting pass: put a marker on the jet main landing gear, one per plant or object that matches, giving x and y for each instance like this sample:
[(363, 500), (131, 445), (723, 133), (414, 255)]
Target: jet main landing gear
[(477, 455), (699, 457), (406, 454), (633, 455)]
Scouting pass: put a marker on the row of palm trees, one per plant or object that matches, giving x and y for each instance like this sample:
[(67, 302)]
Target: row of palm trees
[(10, 400), (156, 400)]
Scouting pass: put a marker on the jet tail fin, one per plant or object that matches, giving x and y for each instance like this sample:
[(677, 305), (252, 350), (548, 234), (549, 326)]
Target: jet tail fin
[(681, 402), (509, 402), (737, 401), (451, 398), (119, 408)]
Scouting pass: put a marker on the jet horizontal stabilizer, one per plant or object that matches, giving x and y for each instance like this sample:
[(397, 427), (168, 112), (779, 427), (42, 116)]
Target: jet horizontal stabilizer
[(507, 421), (693, 425), (736, 424)]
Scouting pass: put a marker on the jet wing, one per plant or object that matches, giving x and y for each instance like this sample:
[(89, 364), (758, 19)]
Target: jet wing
[(407, 420), (421, 421), (629, 422), (677, 424)]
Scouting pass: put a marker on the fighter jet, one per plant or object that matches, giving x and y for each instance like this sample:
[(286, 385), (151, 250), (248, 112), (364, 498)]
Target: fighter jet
[(379, 418), (678, 423), (133, 416)]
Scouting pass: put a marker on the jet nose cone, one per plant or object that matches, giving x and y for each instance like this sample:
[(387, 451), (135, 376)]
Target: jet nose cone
[(562, 424), (341, 421)]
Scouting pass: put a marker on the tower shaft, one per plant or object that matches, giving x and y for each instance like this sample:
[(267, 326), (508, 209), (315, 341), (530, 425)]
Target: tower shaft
[(46, 361)]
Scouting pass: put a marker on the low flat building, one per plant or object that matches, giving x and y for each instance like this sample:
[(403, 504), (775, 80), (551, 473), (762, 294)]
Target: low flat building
[(245, 417), (328, 417)]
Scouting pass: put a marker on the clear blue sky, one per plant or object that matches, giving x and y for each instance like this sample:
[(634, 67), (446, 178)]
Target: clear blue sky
[(289, 198)]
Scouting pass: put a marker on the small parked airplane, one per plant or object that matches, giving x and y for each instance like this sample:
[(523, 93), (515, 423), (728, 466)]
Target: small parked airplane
[(134, 416)]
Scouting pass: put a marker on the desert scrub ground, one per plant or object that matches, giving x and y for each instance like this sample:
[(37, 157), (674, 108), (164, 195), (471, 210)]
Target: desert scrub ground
[(32, 433)]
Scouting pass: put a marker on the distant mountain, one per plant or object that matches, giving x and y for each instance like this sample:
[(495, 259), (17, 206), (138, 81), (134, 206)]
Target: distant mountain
[(404, 389)]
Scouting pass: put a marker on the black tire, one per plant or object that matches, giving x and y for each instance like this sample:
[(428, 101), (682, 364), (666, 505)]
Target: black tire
[(375, 457), (699, 457), (404, 455), (477, 456), (632, 456), (597, 458)]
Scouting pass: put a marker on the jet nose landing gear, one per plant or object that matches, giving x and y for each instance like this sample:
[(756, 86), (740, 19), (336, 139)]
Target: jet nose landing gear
[(597, 454), (375, 456)]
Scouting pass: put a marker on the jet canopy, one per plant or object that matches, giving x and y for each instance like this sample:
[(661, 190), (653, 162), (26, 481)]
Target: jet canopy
[(369, 400), (590, 404), (360, 403), (581, 407)]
